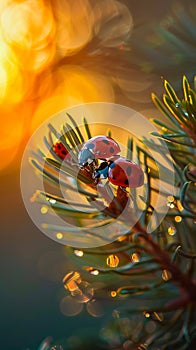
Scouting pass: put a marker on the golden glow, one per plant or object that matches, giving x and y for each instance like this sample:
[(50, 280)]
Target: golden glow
[(159, 316), (112, 260), (178, 218), (44, 209), (52, 201), (38, 76), (76, 85), (135, 257), (170, 198), (71, 281), (113, 294), (166, 275), (73, 32), (30, 38), (171, 231), (59, 235), (78, 253), (179, 205), (94, 272), (146, 314), (170, 202)]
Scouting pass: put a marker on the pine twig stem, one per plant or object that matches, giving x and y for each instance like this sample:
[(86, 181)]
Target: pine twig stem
[(187, 286)]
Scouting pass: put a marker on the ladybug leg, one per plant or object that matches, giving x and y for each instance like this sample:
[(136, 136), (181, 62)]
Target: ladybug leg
[(127, 192), (102, 171), (124, 189)]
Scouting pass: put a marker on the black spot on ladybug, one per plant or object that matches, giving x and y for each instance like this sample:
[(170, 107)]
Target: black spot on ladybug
[(129, 170), (126, 182), (91, 146), (106, 142), (58, 146), (63, 152), (111, 150)]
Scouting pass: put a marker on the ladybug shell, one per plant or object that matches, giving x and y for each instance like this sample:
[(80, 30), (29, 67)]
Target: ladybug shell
[(61, 151), (125, 173), (102, 147)]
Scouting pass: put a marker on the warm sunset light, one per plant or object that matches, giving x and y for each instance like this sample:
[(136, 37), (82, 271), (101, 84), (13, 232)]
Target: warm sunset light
[(46, 68)]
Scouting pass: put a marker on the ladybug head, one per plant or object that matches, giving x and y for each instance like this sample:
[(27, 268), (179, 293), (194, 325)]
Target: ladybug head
[(102, 171), (85, 157)]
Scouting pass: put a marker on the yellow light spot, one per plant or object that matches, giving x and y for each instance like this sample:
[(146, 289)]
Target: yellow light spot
[(178, 218), (170, 198), (148, 170), (121, 238), (135, 257), (94, 272), (112, 260), (180, 207), (146, 314), (78, 253), (166, 275), (163, 129), (44, 209), (52, 201), (171, 205), (71, 281), (59, 235), (171, 231), (113, 294), (159, 316)]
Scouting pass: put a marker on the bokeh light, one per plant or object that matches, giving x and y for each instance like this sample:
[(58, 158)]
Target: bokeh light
[(46, 68)]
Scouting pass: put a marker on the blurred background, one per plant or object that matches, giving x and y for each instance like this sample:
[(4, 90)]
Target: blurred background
[(56, 54)]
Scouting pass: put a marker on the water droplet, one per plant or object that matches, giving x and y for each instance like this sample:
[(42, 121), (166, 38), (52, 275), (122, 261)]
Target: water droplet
[(178, 218), (72, 280), (171, 231), (135, 257), (112, 260), (44, 209), (52, 201), (113, 294), (166, 275), (94, 272), (78, 253), (170, 198), (59, 235)]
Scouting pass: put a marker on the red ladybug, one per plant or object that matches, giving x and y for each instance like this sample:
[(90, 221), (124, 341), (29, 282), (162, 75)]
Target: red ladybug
[(125, 173), (98, 147), (61, 151)]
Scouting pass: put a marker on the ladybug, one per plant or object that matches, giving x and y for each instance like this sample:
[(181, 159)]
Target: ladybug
[(98, 147), (121, 172), (125, 173), (61, 151)]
